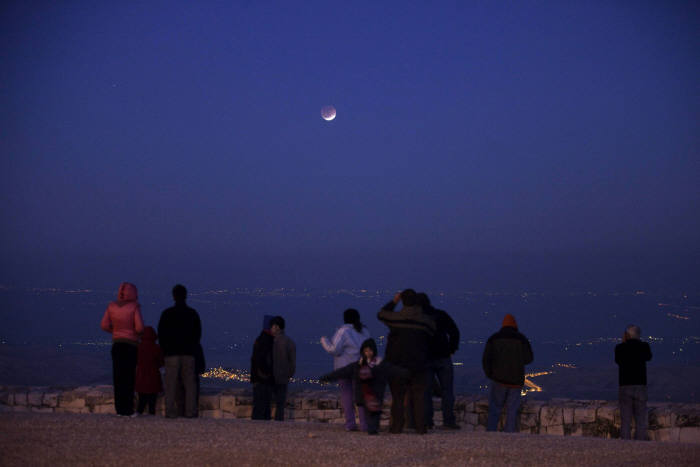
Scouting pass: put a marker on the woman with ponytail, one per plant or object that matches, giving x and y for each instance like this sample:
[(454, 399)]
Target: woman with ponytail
[(345, 348)]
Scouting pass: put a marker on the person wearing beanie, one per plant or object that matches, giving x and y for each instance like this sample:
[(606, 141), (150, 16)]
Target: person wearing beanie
[(123, 320), (370, 375), (179, 333), (261, 376), (505, 356)]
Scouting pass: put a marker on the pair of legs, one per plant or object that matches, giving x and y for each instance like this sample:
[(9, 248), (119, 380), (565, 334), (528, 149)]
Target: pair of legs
[(180, 378), (147, 399), (262, 400), (415, 386), (633, 404), (373, 422), (347, 402), (124, 376), (499, 396), (443, 370), (280, 393)]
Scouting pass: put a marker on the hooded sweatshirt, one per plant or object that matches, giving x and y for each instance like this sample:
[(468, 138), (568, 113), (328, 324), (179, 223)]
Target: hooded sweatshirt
[(345, 345), (123, 317), (150, 359)]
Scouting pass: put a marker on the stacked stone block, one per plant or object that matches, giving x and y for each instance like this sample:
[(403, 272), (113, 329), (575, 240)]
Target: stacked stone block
[(561, 417)]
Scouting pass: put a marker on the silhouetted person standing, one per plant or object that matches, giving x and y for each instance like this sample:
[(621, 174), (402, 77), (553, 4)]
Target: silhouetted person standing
[(179, 332), (410, 331), (442, 345), (261, 376), (632, 356), (284, 364), (505, 356)]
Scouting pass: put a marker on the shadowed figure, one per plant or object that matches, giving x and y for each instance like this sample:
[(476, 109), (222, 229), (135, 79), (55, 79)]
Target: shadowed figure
[(504, 359), (180, 331), (632, 356)]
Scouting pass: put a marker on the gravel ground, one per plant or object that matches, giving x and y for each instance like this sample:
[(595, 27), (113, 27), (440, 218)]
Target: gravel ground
[(76, 439)]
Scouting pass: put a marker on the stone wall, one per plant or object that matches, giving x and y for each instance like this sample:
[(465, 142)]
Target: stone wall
[(667, 421)]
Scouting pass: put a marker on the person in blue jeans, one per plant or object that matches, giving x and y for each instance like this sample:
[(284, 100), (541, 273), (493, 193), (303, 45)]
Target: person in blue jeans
[(632, 356), (505, 356), (443, 344)]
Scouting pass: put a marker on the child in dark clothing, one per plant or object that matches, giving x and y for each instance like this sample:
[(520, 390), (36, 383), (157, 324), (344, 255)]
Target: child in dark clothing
[(370, 375), (148, 380)]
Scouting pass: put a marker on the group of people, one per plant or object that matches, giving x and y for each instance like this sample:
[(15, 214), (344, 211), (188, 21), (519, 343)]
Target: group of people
[(417, 364), (137, 358), (273, 364), (419, 349)]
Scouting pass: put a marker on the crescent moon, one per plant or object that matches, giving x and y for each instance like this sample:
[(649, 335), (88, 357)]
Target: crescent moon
[(328, 113)]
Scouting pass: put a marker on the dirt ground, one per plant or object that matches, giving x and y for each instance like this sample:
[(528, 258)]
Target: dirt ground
[(76, 439)]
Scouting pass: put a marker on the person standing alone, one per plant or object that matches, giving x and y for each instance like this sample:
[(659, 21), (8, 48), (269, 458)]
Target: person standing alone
[(631, 357), (179, 332), (505, 356)]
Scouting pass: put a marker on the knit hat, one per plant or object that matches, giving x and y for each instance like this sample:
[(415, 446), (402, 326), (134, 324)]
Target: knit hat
[(509, 321), (267, 322)]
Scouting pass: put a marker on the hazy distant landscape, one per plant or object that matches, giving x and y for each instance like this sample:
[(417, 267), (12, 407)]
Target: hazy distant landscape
[(52, 336)]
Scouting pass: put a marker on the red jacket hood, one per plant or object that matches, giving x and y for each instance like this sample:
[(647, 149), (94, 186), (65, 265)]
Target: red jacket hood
[(149, 334), (127, 292)]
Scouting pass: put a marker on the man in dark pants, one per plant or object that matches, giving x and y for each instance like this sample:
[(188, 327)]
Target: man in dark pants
[(632, 356), (443, 344), (505, 356), (284, 362), (261, 371), (179, 332), (410, 331)]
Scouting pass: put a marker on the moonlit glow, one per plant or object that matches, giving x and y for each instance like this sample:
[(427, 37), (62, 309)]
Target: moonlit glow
[(328, 113)]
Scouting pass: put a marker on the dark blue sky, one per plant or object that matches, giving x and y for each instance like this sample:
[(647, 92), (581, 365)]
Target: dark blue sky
[(478, 145)]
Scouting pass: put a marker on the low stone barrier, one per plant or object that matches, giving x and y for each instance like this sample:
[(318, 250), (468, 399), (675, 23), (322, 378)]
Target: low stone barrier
[(565, 417)]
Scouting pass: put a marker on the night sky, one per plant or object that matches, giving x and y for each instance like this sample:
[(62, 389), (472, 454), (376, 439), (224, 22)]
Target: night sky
[(477, 145)]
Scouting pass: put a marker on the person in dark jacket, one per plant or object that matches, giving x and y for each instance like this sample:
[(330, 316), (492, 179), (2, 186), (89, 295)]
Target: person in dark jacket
[(261, 375), (284, 364), (407, 345), (369, 375), (443, 344), (505, 356), (180, 331), (148, 364), (632, 356)]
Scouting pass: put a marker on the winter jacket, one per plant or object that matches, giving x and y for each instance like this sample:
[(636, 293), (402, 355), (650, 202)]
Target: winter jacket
[(179, 330), (122, 317), (381, 373), (284, 358), (149, 360), (261, 360), (505, 356), (410, 331), (631, 357), (345, 345), (445, 342)]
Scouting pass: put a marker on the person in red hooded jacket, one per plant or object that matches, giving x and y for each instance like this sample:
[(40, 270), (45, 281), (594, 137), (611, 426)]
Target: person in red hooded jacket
[(123, 320), (148, 380)]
